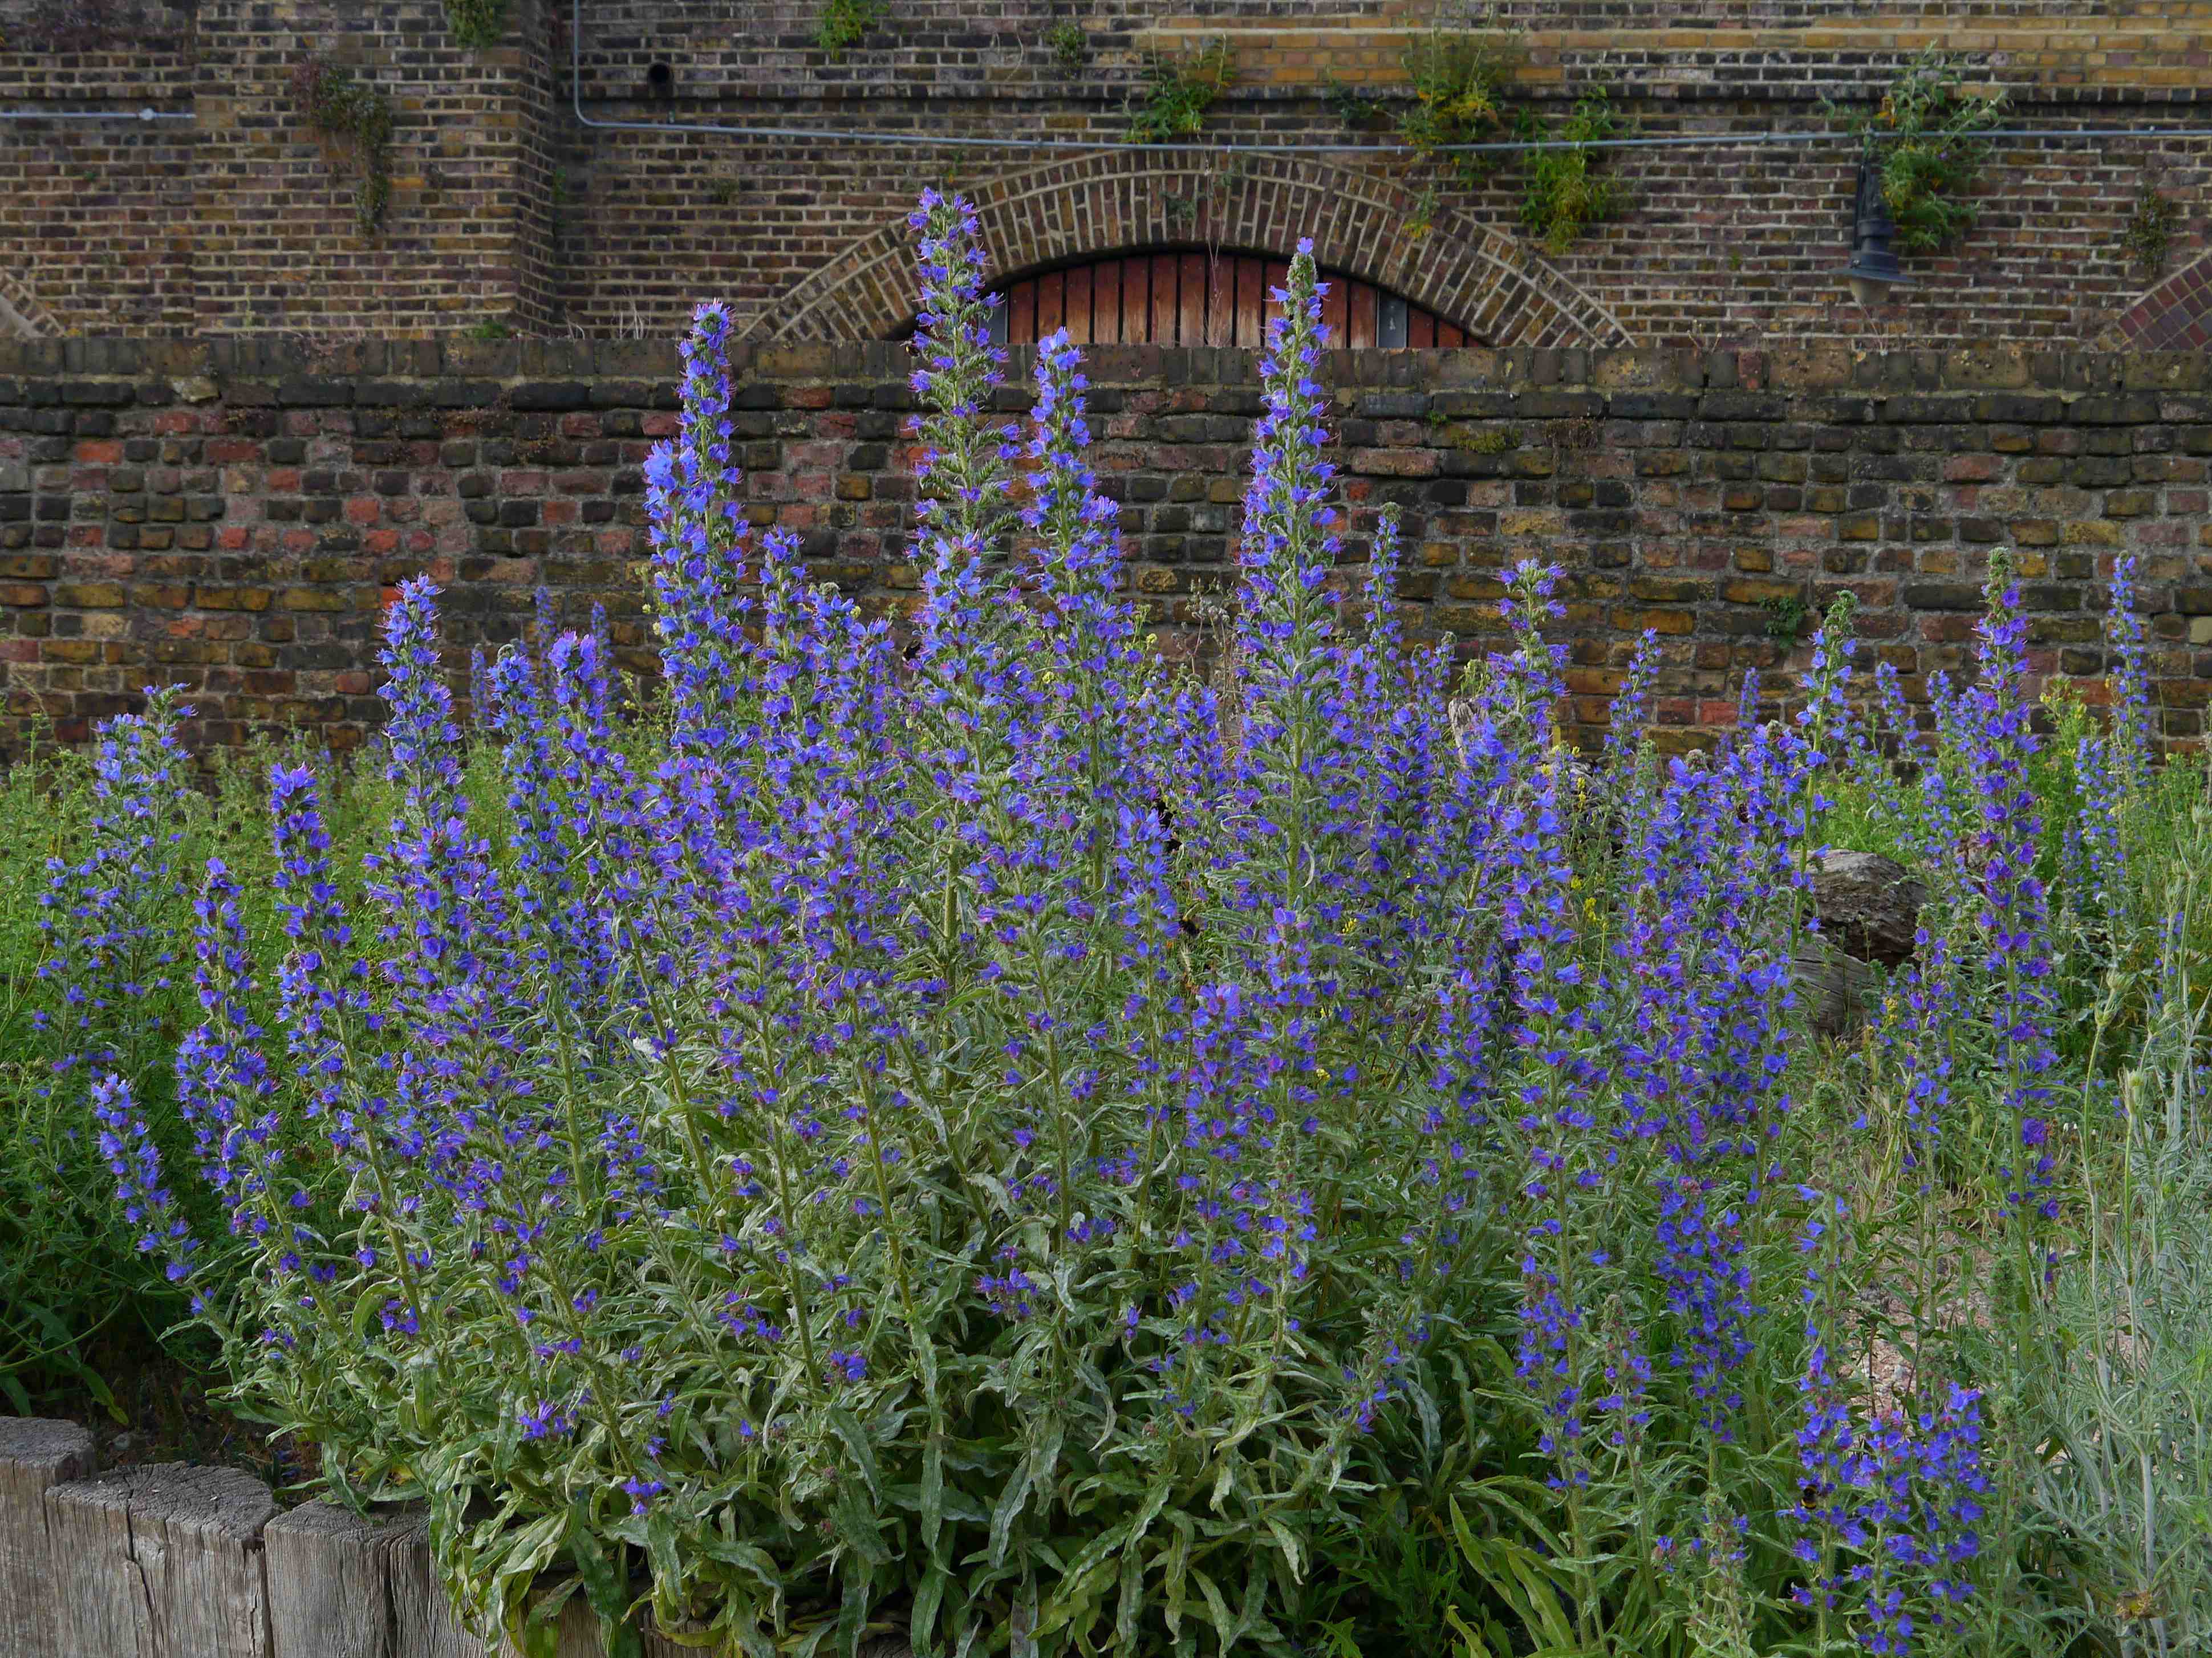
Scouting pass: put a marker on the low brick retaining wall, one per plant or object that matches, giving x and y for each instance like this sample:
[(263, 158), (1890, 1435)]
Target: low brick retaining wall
[(173, 1561), (231, 515)]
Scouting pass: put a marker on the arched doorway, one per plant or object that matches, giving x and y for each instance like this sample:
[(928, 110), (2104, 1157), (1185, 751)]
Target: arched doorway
[(1497, 287)]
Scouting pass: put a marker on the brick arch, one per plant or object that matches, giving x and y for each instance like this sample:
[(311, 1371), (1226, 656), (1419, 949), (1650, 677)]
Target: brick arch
[(1495, 287), (2174, 316), (22, 316)]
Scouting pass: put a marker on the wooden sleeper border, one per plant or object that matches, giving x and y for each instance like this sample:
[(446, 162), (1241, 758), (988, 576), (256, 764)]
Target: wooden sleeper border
[(174, 1561)]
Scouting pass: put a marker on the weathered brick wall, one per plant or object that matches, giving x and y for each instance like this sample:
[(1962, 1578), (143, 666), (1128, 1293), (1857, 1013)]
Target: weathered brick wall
[(234, 516), (94, 214), (507, 209), (239, 218), (1720, 244)]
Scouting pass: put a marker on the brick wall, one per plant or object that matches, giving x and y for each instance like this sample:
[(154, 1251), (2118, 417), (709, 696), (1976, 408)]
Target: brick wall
[(1728, 244), (239, 218), (233, 516), (507, 209)]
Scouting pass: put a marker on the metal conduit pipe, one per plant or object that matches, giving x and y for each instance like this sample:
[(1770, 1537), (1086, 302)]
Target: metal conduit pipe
[(97, 115)]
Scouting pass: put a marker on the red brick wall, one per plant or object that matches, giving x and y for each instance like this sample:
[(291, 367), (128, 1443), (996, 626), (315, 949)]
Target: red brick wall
[(232, 515)]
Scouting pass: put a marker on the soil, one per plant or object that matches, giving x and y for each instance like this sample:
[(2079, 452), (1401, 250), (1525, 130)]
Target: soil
[(164, 1412)]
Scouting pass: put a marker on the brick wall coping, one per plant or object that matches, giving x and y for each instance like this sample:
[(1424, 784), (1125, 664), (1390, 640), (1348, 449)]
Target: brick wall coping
[(346, 372)]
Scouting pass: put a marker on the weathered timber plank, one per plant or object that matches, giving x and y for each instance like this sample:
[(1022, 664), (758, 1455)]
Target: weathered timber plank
[(161, 1562), (34, 1457), (342, 1586)]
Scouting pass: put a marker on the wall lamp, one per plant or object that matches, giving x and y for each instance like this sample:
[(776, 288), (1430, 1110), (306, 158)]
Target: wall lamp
[(1874, 270)]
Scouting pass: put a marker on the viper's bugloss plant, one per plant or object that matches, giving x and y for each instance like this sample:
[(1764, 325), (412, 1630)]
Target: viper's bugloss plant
[(976, 1131), (112, 947)]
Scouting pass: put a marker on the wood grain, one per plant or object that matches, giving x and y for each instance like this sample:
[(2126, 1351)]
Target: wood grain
[(345, 1586), (1106, 302), (161, 1562), (34, 1457), (1163, 300)]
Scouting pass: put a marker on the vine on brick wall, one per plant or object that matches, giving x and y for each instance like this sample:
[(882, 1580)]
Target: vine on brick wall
[(354, 114), (1182, 90), (476, 24)]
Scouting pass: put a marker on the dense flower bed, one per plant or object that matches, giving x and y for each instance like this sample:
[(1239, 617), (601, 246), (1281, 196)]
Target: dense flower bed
[(969, 1129)]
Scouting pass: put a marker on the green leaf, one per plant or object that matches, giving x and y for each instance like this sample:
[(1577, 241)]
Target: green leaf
[(607, 1586), (662, 1548), (1217, 1609), (1131, 1598), (1083, 1579), (1475, 1647), (1174, 1574), (1522, 1579), (933, 1494), (858, 1526), (1009, 1505), (853, 1615), (1221, 1482), (856, 1440), (745, 1556), (922, 1624)]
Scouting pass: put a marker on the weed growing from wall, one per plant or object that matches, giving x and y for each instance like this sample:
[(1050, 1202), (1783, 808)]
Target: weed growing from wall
[(478, 25), (2149, 235), (1458, 77), (1353, 109), (1565, 193), (1182, 90), (1924, 137), (1786, 617), (845, 23), (1070, 46), (558, 195), (1423, 219), (342, 107)]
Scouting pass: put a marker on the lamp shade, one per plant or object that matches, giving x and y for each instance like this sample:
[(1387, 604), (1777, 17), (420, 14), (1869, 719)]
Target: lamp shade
[(1874, 270)]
